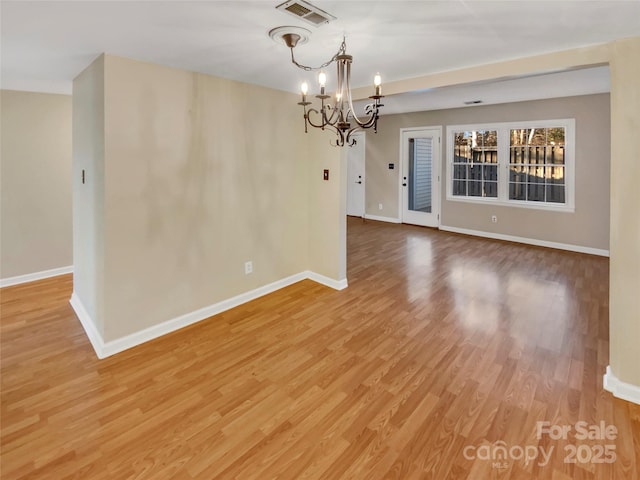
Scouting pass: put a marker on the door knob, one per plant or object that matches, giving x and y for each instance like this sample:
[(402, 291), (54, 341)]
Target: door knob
[(358, 182), (404, 184)]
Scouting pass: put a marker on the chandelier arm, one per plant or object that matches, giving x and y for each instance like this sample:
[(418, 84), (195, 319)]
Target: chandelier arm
[(371, 120), (318, 125), (371, 110), (324, 109), (333, 118), (366, 123), (342, 138), (352, 141), (376, 108), (337, 131), (306, 121), (340, 142), (328, 119), (342, 90)]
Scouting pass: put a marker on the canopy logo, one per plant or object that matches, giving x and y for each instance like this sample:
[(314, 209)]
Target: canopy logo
[(501, 454)]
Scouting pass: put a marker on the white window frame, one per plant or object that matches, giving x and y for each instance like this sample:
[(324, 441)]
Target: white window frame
[(503, 132)]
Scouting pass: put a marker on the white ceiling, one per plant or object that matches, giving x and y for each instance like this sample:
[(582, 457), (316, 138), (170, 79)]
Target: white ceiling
[(46, 44)]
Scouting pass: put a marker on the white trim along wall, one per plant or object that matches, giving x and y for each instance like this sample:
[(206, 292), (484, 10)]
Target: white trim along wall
[(528, 241), (382, 219), (508, 238), (105, 349), (620, 389), (32, 277)]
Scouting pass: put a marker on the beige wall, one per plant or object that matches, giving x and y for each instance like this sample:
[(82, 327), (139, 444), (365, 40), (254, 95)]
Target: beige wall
[(202, 174), (327, 208), (624, 288), (88, 197), (35, 183), (587, 226)]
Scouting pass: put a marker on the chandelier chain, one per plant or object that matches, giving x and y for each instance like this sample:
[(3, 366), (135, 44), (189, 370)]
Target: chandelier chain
[(341, 51)]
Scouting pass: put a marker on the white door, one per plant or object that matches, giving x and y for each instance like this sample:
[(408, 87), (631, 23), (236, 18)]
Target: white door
[(420, 176), (355, 177)]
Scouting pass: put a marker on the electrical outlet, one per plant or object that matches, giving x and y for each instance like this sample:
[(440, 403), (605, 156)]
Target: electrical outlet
[(379, 206), (248, 268), (494, 219)]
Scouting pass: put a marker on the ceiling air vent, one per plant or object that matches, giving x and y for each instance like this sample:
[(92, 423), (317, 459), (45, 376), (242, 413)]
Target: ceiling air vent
[(307, 12)]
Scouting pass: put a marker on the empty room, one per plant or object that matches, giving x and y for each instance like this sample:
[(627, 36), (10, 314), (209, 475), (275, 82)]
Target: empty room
[(319, 240)]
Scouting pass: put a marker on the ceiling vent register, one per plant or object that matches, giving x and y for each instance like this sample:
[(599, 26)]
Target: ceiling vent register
[(307, 12)]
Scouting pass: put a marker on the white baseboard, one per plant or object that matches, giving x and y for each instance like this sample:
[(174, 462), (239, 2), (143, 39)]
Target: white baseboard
[(88, 324), (620, 389), (104, 349), (382, 219), (32, 277), (528, 241), (329, 282)]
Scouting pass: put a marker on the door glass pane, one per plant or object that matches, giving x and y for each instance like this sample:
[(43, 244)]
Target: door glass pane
[(419, 181)]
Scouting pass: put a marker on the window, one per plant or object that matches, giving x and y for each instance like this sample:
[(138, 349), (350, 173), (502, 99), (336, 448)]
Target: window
[(536, 164), (475, 163), (527, 164)]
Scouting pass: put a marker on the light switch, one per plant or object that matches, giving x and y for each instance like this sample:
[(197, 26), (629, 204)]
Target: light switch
[(326, 174)]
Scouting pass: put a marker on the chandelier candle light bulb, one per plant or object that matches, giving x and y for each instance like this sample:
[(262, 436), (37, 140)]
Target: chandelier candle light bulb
[(322, 80), (377, 82)]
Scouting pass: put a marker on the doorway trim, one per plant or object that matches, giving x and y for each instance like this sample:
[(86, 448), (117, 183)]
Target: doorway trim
[(437, 200)]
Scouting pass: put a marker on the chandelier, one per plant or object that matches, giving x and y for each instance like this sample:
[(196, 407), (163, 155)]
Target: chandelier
[(336, 112)]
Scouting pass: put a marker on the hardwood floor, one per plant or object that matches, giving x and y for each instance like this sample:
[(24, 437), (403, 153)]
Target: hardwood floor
[(443, 349)]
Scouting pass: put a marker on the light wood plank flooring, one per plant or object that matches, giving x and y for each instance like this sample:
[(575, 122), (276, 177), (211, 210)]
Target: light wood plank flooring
[(443, 348)]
